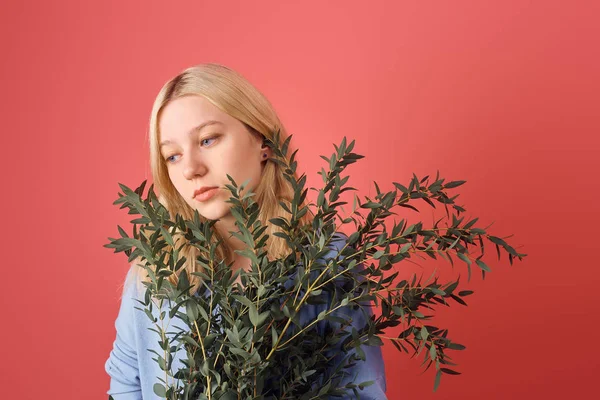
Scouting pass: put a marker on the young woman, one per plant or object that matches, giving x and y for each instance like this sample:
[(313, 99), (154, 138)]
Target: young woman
[(208, 122)]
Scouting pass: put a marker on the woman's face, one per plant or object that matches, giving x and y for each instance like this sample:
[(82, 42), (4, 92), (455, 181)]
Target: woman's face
[(200, 145)]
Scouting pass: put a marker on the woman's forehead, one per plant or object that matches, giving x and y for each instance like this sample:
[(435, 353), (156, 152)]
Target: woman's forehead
[(191, 109), (191, 114)]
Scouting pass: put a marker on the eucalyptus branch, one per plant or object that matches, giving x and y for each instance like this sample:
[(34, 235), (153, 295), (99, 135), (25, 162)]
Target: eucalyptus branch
[(249, 334)]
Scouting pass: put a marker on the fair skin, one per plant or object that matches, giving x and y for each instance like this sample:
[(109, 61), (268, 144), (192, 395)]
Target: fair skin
[(203, 157)]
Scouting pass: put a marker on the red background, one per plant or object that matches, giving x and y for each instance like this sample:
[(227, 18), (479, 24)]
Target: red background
[(502, 94)]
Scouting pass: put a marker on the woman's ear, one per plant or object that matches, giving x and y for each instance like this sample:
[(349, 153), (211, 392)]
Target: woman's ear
[(265, 152)]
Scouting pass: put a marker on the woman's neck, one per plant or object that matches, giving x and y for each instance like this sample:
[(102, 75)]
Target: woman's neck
[(226, 225)]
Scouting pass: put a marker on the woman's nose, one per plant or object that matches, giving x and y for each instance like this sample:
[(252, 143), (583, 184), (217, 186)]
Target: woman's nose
[(193, 166)]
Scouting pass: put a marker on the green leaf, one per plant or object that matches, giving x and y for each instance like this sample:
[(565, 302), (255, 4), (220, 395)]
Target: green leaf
[(274, 335), (370, 205), (188, 339), (191, 309), (321, 198), (258, 319), (400, 187), (424, 333), (464, 258), (455, 346), (365, 384), (483, 266), (321, 315), (471, 223), (374, 341), (449, 371), (432, 352), (244, 300), (159, 390), (405, 248), (239, 352), (436, 382), (453, 184)]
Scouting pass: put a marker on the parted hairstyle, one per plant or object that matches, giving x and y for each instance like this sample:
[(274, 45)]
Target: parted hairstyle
[(233, 94)]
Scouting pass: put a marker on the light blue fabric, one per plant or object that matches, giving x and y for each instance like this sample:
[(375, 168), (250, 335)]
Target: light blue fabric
[(133, 370)]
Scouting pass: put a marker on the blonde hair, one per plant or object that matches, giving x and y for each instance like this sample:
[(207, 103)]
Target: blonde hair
[(233, 94)]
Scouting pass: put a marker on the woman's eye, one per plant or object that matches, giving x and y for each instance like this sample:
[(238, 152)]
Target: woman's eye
[(169, 159), (213, 138)]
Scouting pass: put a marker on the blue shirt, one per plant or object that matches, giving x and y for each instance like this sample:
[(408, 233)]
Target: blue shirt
[(133, 371)]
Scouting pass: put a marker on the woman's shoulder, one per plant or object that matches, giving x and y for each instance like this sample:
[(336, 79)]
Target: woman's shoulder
[(339, 239), (133, 285), (336, 244)]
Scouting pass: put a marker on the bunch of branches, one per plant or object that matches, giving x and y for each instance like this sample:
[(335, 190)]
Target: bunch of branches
[(246, 341)]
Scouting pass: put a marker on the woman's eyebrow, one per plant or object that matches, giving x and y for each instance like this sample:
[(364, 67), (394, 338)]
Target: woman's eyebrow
[(195, 129)]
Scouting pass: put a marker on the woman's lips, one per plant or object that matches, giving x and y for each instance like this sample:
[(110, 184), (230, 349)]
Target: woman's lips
[(207, 194)]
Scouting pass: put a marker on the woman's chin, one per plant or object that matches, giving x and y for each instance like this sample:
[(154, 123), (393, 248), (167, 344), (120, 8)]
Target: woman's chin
[(214, 213)]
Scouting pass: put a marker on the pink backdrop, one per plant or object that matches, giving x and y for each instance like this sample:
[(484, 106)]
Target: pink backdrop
[(503, 94)]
